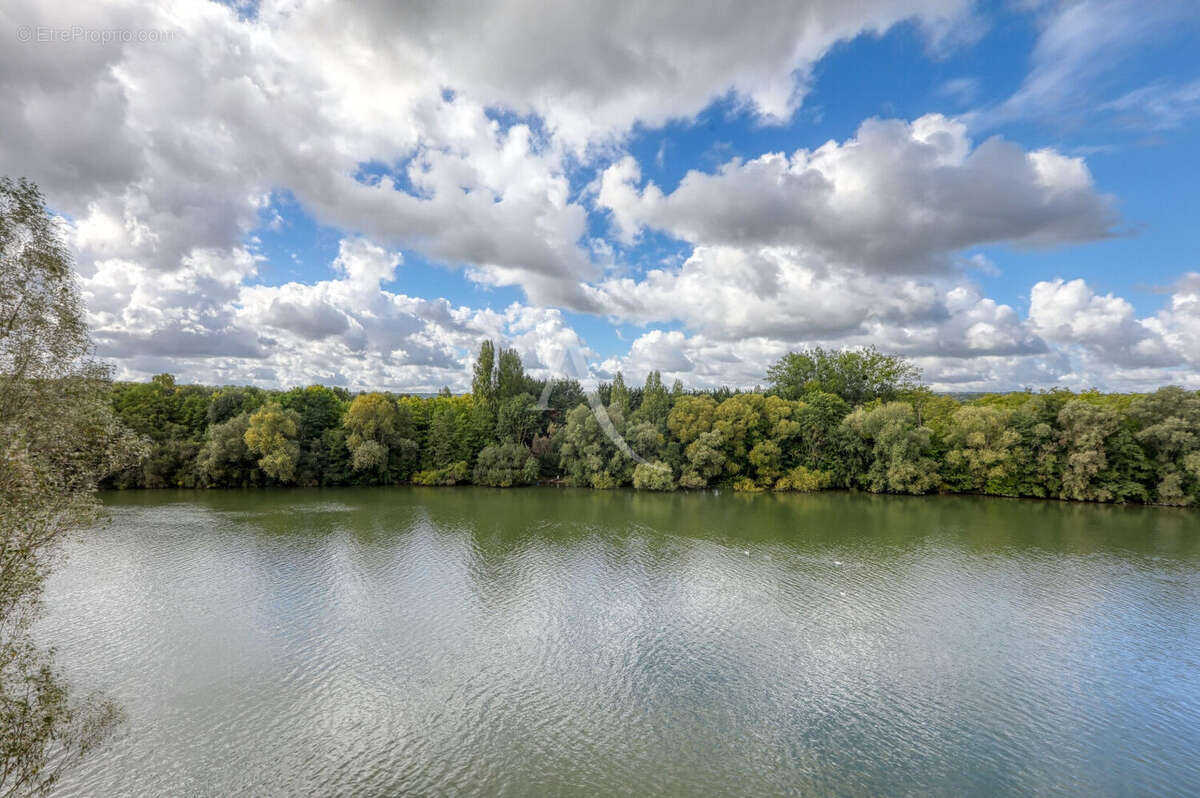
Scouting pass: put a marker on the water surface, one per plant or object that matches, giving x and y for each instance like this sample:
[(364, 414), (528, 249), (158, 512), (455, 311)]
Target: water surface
[(468, 641)]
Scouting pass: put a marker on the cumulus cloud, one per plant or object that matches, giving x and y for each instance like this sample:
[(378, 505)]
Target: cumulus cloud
[(348, 330), (963, 341), (897, 197), (593, 69), (864, 242), (1110, 344), (164, 158), (1070, 312), (1106, 326), (862, 238), (158, 149)]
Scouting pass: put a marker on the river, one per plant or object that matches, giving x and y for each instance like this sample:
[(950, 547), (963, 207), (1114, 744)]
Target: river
[(541, 641)]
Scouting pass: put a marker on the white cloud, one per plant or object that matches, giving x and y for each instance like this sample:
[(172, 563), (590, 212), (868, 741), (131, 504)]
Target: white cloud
[(203, 323), (962, 340), (1179, 323), (1161, 105), (858, 241), (1111, 344), (166, 157), (1084, 49), (960, 90), (1070, 312), (159, 149), (592, 69), (899, 197)]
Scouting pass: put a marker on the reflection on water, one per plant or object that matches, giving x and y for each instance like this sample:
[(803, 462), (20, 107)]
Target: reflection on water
[(557, 642)]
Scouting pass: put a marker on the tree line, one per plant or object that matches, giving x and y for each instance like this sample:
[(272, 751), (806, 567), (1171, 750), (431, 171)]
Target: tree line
[(855, 419)]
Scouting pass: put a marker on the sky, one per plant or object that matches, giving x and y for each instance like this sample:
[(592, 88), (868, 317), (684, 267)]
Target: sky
[(292, 192)]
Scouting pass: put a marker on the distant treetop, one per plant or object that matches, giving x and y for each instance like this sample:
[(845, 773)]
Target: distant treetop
[(858, 376)]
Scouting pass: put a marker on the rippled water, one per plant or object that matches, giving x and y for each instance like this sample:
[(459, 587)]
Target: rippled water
[(553, 642)]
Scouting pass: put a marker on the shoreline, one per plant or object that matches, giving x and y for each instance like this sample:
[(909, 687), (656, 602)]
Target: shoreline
[(626, 489)]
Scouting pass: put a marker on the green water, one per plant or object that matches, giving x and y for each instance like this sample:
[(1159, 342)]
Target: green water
[(466, 641)]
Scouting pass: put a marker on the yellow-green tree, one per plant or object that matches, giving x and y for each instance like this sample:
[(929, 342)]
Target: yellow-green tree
[(898, 449), (1085, 427), (371, 422), (740, 421), (272, 435), (690, 417), (980, 453)]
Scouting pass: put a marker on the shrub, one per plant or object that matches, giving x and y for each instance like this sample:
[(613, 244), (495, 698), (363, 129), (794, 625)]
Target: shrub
[(804, 480), (747, 485), (604, 481), (655, 476), (369, 456), (506, 465), (447, 475)]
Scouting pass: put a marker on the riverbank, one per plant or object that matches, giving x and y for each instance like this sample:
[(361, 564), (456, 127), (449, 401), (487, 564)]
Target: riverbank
[(683, 492)]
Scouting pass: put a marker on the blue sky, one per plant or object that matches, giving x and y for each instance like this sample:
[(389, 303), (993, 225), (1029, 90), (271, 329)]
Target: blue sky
[(291, 193)]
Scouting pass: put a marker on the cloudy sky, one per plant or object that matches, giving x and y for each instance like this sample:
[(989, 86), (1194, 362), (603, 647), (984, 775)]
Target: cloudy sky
[(293, 191)]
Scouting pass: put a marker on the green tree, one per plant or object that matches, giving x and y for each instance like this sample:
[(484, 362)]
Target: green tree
[(483, 385), (705, 460), (656, 402), (1085, 427), (779, 416), (767, 459), (803, 480), (619, 401), (442, 446), (372, 425), (587, 455), (319, 409), (225, 460), (447, 475), (518, 419), (691, 417), (510, 375), (898, 449), (858, 376), (506, 465), (653, 476), (173, 418), (272, 435), (565, 395), (1169, 421), (741, 422), (58, 439), (1039, 455), (645, 439), (229, 402), (981, 450), (819, 443)]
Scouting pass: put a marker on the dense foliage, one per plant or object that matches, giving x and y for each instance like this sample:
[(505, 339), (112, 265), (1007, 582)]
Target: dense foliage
[(58, 439), (852, 419)]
